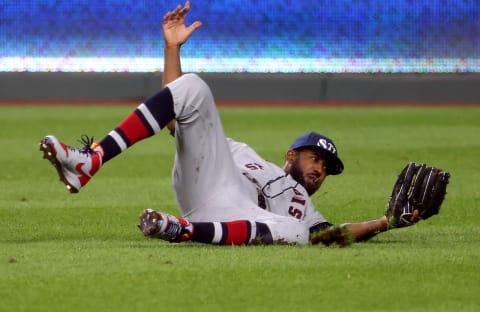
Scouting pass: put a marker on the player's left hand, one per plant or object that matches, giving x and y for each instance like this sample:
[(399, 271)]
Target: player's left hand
[(417, 194), (338, 235), (175, 32)]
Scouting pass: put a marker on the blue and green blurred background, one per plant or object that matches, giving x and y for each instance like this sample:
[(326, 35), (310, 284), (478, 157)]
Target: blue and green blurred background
[(285, 36), (312, 38)]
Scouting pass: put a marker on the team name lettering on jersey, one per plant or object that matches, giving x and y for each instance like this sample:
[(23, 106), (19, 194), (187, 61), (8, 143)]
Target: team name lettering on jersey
[(254, 166), (294, 210)]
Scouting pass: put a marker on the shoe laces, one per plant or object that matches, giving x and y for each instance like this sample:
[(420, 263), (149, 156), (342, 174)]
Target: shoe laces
[(174, 229), (88, 144)]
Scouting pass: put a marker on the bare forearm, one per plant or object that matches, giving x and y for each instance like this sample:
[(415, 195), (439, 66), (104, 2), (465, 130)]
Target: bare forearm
[(175, 33), (172, 66), (364, 230)]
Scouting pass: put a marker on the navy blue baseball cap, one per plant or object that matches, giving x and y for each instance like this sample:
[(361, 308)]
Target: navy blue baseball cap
[(316, 140)]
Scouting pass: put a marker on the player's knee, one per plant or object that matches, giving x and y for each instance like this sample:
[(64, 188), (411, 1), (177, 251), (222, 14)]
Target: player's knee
[(192, 98), (196, 92), (196, 85)]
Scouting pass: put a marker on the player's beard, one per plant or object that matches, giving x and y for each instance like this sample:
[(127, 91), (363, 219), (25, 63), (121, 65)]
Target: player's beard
[(297, 173)]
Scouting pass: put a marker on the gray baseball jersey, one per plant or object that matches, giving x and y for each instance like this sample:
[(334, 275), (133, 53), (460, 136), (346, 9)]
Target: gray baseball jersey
[(274, 190)]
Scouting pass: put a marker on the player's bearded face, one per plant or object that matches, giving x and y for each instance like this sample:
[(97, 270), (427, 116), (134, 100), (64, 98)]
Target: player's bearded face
[(308, 170)]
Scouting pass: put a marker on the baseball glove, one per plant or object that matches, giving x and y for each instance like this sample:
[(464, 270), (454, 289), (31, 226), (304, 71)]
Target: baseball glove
[(417, 194)]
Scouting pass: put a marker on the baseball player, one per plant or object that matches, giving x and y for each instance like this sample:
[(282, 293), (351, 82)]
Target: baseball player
[(226, 192)]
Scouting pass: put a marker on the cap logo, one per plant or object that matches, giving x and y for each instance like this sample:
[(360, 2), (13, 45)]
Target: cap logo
[(327, 145)]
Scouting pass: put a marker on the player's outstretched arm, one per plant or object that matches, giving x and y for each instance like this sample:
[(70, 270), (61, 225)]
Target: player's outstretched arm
[(175, 33), (348, 233), (417, 194), (365, 230)]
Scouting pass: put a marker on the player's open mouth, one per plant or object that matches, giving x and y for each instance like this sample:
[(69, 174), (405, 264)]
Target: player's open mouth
[(314, 178)]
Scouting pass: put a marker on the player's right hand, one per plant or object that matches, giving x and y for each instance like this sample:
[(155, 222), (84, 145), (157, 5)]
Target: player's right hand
[(175, 32)]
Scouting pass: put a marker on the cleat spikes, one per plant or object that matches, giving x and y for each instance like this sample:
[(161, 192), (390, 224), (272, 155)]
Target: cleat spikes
[(164, 226)]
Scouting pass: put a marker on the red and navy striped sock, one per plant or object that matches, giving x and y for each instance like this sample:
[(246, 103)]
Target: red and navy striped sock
[(239, 232), (146, 120)]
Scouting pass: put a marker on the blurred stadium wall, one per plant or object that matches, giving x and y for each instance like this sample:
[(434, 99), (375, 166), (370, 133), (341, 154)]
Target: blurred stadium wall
[(276, 51)]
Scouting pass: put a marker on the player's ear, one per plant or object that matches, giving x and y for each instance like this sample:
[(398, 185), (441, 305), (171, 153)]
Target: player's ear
[(290, 157)]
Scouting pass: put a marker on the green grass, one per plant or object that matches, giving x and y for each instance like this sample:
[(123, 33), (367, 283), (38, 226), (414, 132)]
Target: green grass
[(83, 252)]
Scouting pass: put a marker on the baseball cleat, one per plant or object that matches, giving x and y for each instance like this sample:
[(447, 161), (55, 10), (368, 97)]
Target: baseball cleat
[(75, 166), (164, 226)]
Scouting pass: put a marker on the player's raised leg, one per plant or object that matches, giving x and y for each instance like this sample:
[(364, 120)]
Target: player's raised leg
[(76, 166)]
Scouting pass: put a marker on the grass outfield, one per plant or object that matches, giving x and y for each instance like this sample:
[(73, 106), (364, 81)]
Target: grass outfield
[(83, 252)]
